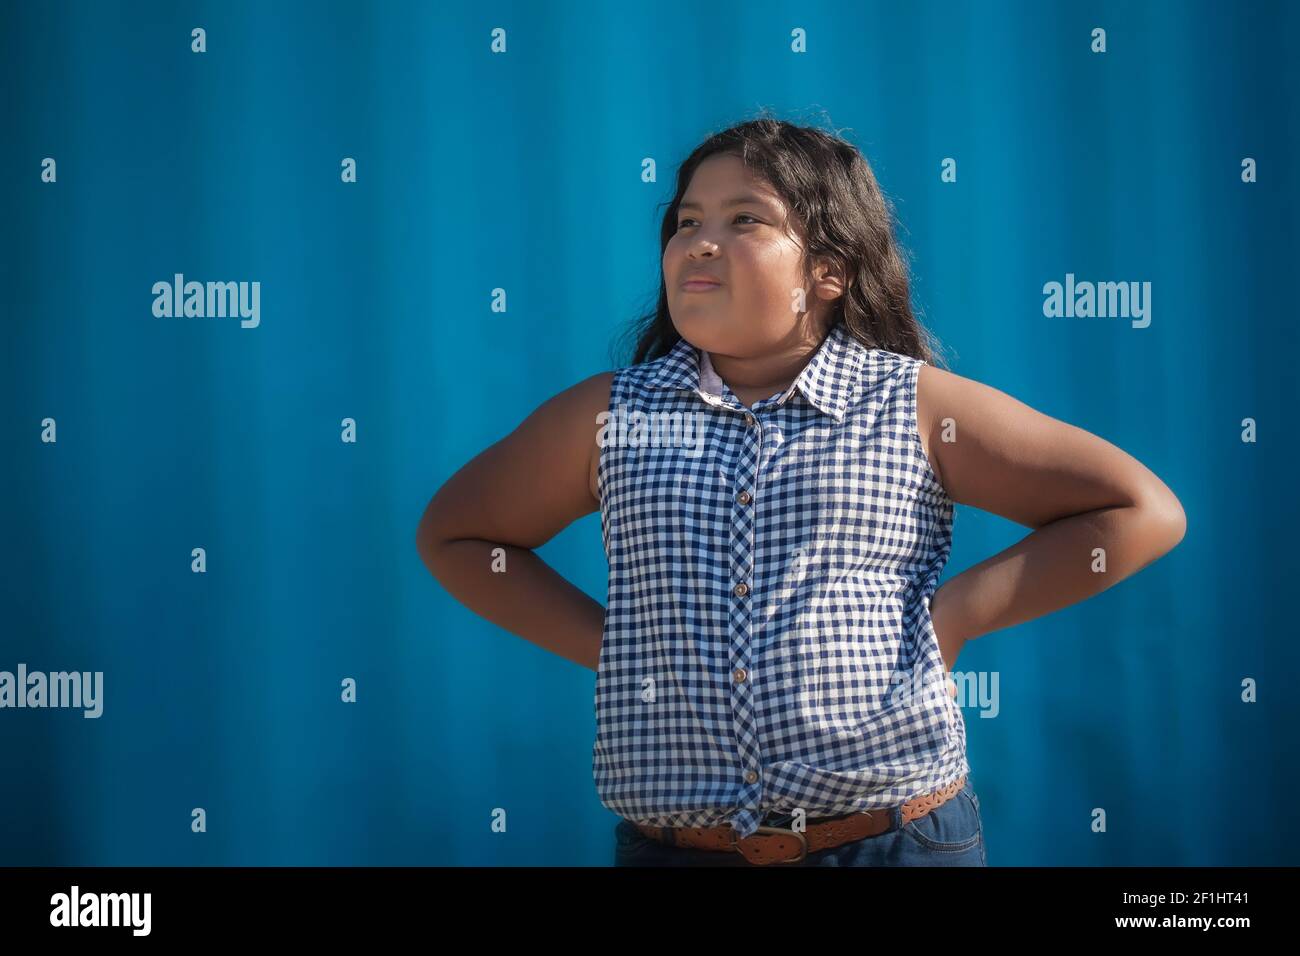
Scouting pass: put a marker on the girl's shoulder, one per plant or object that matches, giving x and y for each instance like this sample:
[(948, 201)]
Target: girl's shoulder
[(572, 410), (561, 433)]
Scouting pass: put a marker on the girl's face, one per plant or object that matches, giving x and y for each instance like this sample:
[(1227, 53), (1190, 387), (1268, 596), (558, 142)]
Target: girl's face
[(747, 246)]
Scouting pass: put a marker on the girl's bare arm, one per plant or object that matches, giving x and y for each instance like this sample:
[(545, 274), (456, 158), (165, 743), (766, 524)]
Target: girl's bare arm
[(1079, 492), (516, 496)]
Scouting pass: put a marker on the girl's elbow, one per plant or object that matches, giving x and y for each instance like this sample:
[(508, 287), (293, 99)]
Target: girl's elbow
[(1167, 520), (429, 535), (1179, 521), (425, 544)]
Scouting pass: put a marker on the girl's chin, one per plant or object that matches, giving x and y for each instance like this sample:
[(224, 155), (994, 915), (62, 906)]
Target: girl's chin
[(701, 317), (703, 325)]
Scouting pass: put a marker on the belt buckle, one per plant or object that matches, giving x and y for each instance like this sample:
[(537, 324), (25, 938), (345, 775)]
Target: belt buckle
[(803, 843)]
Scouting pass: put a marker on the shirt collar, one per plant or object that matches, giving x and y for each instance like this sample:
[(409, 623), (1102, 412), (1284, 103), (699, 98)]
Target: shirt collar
[(828, 381)]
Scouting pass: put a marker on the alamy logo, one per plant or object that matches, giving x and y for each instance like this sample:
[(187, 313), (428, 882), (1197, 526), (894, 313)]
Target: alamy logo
[(210, 300), (652, 430), (102, 909), (56, 689), (1102, 300)]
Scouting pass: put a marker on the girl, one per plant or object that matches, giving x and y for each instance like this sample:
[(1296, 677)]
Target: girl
[(775, 474)]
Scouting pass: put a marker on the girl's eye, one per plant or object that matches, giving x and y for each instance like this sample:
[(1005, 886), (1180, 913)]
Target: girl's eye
[(743, 215)]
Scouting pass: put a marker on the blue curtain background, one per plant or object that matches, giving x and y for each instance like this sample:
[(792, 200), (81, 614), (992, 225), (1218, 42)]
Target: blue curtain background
[(523, 171)]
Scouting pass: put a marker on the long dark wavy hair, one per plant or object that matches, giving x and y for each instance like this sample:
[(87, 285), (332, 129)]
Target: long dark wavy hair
[(839, 214)]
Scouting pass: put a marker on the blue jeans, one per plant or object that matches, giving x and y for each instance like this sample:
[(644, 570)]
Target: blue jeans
[(950, 835)]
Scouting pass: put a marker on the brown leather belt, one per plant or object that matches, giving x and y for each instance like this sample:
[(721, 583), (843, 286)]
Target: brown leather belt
[(781, 845)]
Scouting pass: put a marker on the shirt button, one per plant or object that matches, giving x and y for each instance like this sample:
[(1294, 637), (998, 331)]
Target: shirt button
[(740, 675), (742, 589), (743, 497), (751, 777), (749, 419)]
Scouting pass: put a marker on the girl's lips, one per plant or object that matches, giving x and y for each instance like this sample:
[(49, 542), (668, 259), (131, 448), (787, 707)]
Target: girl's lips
[(700, 286)]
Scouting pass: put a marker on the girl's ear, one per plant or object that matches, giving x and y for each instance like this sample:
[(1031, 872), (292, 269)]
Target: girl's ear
[(828, 284)]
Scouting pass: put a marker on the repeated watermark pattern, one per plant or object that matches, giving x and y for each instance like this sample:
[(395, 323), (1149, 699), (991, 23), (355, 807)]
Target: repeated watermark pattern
[(82, 690)]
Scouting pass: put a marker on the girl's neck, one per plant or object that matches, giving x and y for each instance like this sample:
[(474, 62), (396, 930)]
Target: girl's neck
[(754, 379)]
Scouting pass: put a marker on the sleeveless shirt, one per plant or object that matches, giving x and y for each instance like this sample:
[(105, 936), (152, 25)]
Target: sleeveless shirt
[(767, 642)]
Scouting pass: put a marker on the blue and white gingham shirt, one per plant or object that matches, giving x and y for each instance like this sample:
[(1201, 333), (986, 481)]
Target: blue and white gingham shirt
[(768, 643)]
